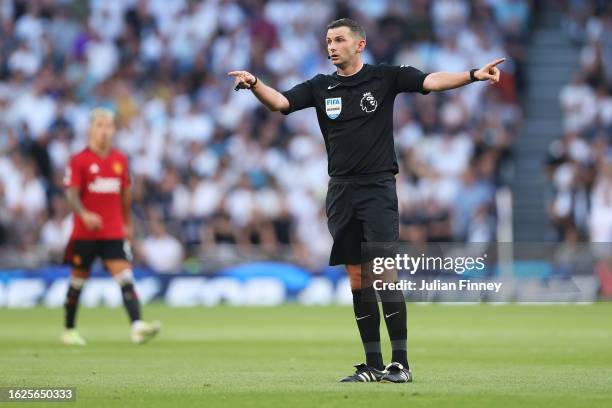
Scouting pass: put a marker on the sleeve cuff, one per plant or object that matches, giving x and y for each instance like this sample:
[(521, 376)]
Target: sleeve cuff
[(289, 110), (423, 91)]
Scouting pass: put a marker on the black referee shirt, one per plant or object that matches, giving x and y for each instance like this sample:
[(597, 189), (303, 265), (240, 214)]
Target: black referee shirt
[(355, 114)]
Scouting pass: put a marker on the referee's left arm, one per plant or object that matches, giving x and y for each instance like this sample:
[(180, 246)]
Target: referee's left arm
[(270, 97), (442, 81)]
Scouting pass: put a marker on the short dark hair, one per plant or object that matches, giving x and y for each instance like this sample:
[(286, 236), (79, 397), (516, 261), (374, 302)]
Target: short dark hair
[(354, 26)]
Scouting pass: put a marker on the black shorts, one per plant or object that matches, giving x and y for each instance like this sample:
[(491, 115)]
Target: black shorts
[(362, 209), (81, 253)]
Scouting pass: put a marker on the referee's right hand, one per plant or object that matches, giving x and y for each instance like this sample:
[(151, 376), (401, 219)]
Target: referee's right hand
[(243, 79)]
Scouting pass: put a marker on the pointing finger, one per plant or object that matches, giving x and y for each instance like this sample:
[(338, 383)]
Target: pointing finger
[(496, 62)]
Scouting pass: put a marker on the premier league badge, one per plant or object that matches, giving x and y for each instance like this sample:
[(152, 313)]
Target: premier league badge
[(368, 102)]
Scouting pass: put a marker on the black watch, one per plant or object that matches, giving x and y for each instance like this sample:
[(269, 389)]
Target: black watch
[(472, 77), (253, 84)]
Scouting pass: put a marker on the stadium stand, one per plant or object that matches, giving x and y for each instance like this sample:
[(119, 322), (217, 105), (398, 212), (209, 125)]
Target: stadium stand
[(579, 161), (211, 168)]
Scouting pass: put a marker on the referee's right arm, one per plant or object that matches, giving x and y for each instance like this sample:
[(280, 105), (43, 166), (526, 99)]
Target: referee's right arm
[(270, 97)]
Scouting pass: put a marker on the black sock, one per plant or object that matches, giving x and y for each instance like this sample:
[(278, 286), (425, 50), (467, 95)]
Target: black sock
[(394, 308), (70, 306), (367, 316), (130, 301)]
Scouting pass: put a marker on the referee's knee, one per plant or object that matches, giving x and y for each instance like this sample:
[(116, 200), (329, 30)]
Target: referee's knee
[(354, 272)]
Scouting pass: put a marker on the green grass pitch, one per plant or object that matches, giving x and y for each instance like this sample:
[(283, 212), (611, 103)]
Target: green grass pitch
[(293, 356)]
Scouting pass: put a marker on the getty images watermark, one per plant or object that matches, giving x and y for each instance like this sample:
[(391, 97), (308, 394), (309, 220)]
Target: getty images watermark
[(489, 272), (413, 264)]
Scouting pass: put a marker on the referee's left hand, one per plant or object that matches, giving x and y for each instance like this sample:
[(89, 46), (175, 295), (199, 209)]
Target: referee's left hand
[(489, 71)]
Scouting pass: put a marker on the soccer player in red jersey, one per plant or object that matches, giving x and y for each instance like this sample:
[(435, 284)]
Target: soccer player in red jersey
[(97, 187)]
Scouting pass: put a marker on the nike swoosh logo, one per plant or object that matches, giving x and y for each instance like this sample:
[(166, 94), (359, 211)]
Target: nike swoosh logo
[(362, 317), (389, 315), (332, 86)]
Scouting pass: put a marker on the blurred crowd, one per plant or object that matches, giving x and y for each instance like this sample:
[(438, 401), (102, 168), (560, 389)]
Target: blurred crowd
[(214, 174), (580, 161)]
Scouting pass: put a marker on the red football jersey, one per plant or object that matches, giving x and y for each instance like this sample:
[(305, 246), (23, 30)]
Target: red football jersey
[(100, 181)]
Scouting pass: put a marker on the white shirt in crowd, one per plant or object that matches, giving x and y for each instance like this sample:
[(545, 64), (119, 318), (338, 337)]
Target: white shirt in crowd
[(162, 253)]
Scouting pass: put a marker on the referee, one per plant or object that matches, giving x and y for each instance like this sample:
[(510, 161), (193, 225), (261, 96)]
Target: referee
[(354, 108)]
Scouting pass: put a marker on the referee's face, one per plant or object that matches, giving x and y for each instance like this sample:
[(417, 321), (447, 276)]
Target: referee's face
[(343, 46)]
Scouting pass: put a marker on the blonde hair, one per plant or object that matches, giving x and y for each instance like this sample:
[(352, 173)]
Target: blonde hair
[(100, 111)]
